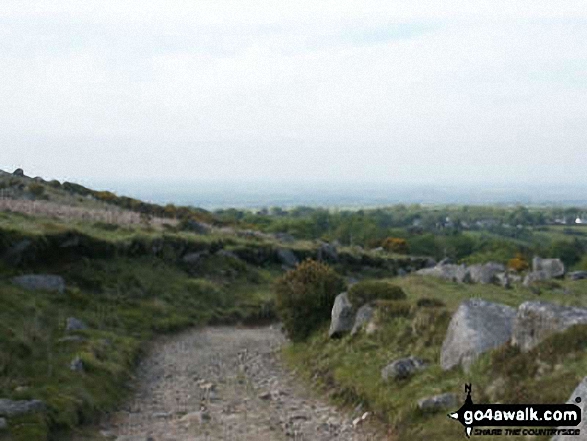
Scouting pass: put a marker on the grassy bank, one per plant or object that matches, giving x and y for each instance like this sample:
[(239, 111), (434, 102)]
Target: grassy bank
[(349, 369), (125, 296)]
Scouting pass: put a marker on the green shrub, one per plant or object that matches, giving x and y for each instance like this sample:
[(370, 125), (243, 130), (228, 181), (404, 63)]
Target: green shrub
[(393, 308), (370, 290), (396, 245), (304, 297), (37, 189)]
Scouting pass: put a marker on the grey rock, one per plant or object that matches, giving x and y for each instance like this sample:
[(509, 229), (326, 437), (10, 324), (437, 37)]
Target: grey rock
[(402, 272), (364, 315), (504, 279), (578, 275), (9, 408), (327, 252), (486, 273), (285, 237), (197, 227), (72, 339), (430, 263), (444, 271), (536, 321), (287, 257), (193, 258), (18, 172), (15, 254), (463, 275), (552, 267), (342, 318), (580, 391), (3, 424), (228, 254), (72, 242), (535, 276), (76, 365), (476, 327), (74, 324), (438, 403), (402, 368), (350, 281), (41, 282)]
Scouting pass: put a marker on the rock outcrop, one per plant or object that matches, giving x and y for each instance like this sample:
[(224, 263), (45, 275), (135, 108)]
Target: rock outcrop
[(552, 267), (476, 327), (9, 408), (328, 252), (485, 273), (40, 282), (544, 269), (402, 368), (287, 257), (343, 317), (535, 321), (438, 403), (364, 316), (577, 275), (74, 324)]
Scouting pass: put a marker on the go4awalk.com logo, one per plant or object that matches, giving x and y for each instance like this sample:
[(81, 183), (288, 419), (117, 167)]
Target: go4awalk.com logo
[(518, 419)]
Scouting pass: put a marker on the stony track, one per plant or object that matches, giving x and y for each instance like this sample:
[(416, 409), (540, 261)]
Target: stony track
[(226, 383)]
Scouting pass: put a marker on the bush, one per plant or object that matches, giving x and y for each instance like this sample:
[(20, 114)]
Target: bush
[(396, 245), (518, 263), (304, 297), (37, 190), (371, 290)]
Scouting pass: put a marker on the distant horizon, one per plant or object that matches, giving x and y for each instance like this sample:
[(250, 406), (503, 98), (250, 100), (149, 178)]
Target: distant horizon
[(256, 194)]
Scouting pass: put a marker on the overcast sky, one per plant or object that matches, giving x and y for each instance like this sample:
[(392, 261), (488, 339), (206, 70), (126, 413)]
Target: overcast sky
[(406, 91)]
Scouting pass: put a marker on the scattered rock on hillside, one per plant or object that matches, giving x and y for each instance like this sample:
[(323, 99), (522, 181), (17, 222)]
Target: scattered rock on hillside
[(74, 324), (71, 242), (192, 258), (342, 319), (40, 282), (228, 254), (284, 237), (535, 321), (445, 271), (476, 327), (364, 315), (402, 368), (486, 273), (504, 279), (553, 268), (438, 403), (535, 276), (16, 254), (327, 252), (580, 391), (578, 275), (462, 274), (429, 263), (72, 339), (76, 365), (287, 257), (9, 408), (197, 227)]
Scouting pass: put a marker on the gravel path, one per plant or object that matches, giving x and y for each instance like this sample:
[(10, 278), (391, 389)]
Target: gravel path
[(226, 383)]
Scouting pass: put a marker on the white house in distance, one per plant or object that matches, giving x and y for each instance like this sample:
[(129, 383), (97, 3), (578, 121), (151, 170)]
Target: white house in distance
[(581, 221)]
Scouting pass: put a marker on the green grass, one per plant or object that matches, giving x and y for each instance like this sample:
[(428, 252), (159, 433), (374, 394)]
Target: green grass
[(125, 302), (349, 369)]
